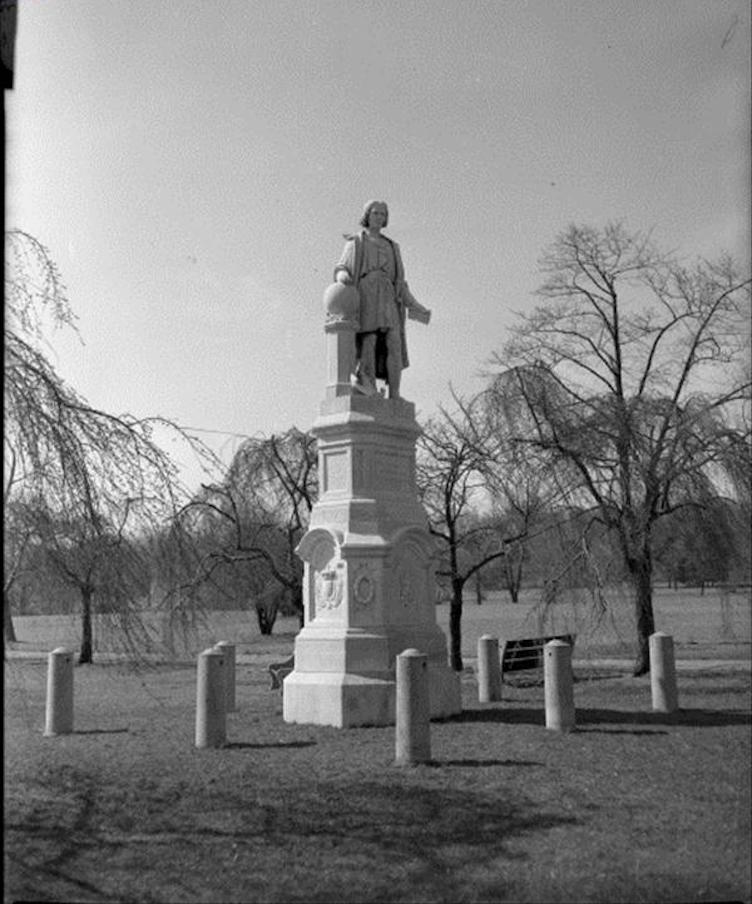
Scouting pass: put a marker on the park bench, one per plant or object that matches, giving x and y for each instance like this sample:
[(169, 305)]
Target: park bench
[(527, 653), (278, 671)]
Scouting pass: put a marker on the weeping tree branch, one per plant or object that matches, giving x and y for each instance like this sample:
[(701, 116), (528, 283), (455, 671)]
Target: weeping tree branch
[(86, 479)]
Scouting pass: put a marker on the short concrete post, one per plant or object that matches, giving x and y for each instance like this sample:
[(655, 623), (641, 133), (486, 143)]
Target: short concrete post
[(413, 728), (211, 692), (559, 689), (489, 669), (59, 709), (663, 673), (224, 646)]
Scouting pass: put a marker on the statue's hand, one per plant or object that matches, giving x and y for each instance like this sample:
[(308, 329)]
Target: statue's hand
[(419, 313), (343, 277)]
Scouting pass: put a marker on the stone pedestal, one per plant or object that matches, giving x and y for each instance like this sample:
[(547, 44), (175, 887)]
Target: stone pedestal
[(369, 589)]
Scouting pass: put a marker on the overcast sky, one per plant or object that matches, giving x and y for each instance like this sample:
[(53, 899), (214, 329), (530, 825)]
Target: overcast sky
[(192, 165)]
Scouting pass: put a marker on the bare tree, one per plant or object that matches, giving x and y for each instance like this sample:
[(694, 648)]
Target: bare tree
[(452, 476), (104, 568), (524, 497), (69, 462), (278, 479), (256, 517), (632, 380)]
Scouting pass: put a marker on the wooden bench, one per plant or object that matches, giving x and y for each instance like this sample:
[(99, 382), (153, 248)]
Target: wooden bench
[(527, 653), (278, 671)]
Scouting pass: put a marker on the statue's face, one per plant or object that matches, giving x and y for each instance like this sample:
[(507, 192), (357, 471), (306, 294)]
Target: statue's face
[(377, 216)]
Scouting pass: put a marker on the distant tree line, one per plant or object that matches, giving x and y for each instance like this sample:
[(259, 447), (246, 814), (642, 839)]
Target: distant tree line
[(610, 445)]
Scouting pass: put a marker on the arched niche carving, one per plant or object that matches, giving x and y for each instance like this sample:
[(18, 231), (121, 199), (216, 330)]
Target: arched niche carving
[(411, 569), (325, 578)]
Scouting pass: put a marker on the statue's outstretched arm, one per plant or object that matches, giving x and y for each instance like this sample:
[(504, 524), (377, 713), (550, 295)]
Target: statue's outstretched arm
[(415, 310)]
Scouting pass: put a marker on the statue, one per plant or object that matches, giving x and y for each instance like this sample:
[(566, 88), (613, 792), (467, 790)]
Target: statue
[(371, 262)]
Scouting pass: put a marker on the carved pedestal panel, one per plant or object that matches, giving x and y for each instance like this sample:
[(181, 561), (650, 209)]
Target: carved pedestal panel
[(368, 586)]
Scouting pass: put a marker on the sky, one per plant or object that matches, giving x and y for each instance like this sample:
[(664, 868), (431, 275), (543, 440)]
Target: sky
[(192, 166)]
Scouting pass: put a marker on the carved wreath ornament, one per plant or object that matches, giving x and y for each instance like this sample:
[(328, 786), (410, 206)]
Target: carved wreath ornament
[(364, 586)]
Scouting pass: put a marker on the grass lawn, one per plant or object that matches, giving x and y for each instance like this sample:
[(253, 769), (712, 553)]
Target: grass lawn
[(631, 807)]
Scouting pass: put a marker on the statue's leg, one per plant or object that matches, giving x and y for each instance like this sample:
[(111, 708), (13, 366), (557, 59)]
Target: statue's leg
[(368, 360), (358, 365), (394, 361)]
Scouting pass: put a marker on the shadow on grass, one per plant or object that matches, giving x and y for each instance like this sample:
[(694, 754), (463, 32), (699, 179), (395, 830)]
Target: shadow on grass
[(508, 715), (416, 833), (475, 762), (613, 731), (243, 745), (695, 718), (586, 677), (88, 731)]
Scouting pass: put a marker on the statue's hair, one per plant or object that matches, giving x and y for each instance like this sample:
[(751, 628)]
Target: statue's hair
[(367, 210)]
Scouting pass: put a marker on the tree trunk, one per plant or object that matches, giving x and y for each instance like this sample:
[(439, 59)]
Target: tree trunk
[(478, 589), (640, 570), (266, 616), (87, 645), (298, 601), (455, 624), (518, 578), (513, 580), (9, 630)]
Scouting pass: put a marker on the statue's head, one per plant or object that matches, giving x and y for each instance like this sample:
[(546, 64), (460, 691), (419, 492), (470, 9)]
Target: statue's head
[(367, 212)]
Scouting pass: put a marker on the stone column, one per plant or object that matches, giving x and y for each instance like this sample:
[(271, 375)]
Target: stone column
[(413, 727), (489, 669), (211, 693), (559, 690), (663, 673), (59, 708), (228, 649), (342, 311)]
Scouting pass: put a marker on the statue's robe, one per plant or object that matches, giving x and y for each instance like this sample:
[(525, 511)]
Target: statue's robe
[(352, 262)]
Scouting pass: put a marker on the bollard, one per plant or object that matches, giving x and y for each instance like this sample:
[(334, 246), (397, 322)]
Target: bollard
[(663, 673), (413, 729), (59, 709), (489, 669), (224, 646), (559, 689), (210, 699)]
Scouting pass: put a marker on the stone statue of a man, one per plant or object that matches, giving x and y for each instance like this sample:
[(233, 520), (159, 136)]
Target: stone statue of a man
[(372, 263)]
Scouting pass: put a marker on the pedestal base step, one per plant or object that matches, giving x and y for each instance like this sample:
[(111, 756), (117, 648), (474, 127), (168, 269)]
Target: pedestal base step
[(350, 701)]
